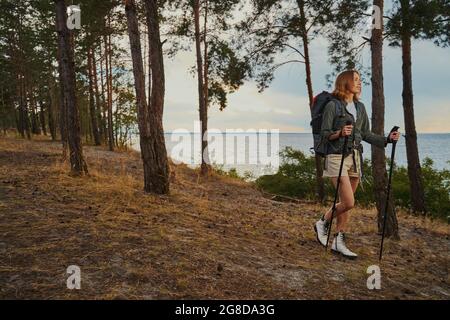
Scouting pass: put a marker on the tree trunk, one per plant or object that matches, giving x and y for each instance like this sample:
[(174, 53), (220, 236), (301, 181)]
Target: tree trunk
[(51, 115), (23, 125), (205, 167), (110, 104), (153, 149), (203, 112), (20, 121), (25, 113), (62, 111), (92, 111), (16, 117), (42, 117), (379, 172), (98, 105), (320, 186), (116, 126), (34, 117), (149, 61), (67, 78), (7, 110), (412, 152), (109, 98), (103, 97), (34, 125), (160, 167)]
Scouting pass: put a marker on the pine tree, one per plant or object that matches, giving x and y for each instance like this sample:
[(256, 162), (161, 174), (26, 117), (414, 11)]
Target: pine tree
[(67, 79), (153, 149)]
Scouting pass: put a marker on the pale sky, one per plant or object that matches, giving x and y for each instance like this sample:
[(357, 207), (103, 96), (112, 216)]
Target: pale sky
[(284, 105)]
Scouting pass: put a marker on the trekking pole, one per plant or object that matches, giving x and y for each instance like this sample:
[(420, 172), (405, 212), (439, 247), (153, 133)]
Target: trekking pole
[(333, 210), (394, 143)]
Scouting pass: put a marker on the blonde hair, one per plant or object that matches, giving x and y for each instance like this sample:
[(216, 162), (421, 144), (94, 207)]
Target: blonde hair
[(342, 82)]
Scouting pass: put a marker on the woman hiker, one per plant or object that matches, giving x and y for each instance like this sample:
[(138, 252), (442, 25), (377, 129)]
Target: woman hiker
[(345, 106)]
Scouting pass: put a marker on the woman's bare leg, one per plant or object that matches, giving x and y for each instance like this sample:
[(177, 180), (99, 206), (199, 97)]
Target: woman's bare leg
[(355, 182), (346, 202), (342, 220)]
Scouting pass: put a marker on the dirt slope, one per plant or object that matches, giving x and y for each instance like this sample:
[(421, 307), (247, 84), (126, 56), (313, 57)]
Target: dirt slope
[(210, 238)]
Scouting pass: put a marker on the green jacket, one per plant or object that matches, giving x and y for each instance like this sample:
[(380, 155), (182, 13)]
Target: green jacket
[(334, 118)]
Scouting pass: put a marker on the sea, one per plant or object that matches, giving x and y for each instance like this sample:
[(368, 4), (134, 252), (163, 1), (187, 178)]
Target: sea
[(257, 153)]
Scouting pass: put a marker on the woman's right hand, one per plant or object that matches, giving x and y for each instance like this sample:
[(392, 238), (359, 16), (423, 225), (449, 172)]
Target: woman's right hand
[(346, 130)]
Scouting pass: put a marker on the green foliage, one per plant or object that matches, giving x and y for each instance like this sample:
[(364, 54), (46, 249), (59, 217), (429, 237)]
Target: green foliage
[(420, 19), (364, 193), (233, 173), (273, 32), (437, 189), (296, 178), (220, 170), (227, 70), (125, 115)]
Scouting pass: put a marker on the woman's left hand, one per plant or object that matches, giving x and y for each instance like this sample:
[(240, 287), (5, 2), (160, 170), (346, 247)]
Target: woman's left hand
[(394, 136)]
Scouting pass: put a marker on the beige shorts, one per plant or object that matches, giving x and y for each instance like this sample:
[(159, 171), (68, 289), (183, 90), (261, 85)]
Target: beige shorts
[(333, 163)]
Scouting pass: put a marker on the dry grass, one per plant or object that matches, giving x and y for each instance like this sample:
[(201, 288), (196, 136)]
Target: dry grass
[(213, 237)]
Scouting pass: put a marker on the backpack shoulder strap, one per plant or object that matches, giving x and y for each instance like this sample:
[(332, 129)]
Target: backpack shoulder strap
[(340, 110)]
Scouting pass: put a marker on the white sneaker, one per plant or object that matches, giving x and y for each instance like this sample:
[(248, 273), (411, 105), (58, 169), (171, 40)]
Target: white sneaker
[(321, 229), (340, 247)]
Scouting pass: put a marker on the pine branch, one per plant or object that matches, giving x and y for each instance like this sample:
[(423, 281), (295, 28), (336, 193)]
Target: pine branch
[(295, 49)]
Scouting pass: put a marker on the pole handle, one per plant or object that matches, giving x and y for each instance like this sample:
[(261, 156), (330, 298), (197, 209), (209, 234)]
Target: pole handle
[(394, 129)]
